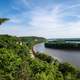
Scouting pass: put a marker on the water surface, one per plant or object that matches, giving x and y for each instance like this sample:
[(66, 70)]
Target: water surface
[(70, 56)]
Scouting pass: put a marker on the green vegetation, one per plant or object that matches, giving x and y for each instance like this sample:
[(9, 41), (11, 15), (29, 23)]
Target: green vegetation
[(64, 44), (30, 41), (2, 20), (16, 62)]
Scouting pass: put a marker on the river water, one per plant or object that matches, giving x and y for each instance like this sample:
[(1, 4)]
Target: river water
[(72, 57)]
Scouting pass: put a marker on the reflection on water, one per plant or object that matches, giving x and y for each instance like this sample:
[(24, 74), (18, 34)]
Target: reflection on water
[(72, 57)]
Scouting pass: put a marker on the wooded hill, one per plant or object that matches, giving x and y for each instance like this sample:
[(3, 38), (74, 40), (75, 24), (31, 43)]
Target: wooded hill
[(16, 62)]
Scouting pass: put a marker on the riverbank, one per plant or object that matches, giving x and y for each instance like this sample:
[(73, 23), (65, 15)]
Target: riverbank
[(63, 44), (49, 57), (70, 56)]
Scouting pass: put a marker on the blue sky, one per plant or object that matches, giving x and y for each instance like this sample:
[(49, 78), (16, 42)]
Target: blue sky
[(45, 18)]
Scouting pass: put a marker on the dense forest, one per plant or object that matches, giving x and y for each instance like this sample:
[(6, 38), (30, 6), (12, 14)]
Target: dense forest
[(70, 44), (17, 63)]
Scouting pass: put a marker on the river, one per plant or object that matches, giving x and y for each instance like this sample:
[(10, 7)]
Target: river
[(72, 57)]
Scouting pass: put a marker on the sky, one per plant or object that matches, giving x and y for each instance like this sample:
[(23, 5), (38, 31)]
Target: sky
[(44, 18)]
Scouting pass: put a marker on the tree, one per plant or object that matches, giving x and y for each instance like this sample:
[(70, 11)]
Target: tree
[(9, 62), (2, 20)]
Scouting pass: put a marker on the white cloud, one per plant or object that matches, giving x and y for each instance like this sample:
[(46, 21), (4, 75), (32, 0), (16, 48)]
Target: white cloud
[(50, 24), (46, 22)]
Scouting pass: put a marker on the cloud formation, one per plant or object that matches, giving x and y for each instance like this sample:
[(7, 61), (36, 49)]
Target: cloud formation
[(57, 20)]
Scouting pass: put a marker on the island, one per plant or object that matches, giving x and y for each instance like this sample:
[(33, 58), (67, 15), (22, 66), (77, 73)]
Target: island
[(69, 44)]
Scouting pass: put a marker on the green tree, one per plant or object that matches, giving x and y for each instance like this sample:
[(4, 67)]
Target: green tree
[(9, 62), (2, 20)]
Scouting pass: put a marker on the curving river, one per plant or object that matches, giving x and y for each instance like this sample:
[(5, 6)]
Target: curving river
[(72, 57)]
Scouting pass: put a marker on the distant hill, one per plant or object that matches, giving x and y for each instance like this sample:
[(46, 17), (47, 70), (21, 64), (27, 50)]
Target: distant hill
[(65, 39)]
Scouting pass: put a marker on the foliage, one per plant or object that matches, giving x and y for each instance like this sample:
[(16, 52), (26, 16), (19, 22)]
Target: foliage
[(68, 71), (9, 62), (63, 44), (31, 41), (2, 20), (44, 57), (17, 64)]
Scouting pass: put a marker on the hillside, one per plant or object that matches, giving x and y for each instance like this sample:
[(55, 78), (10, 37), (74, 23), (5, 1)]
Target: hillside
[(16, 62)]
